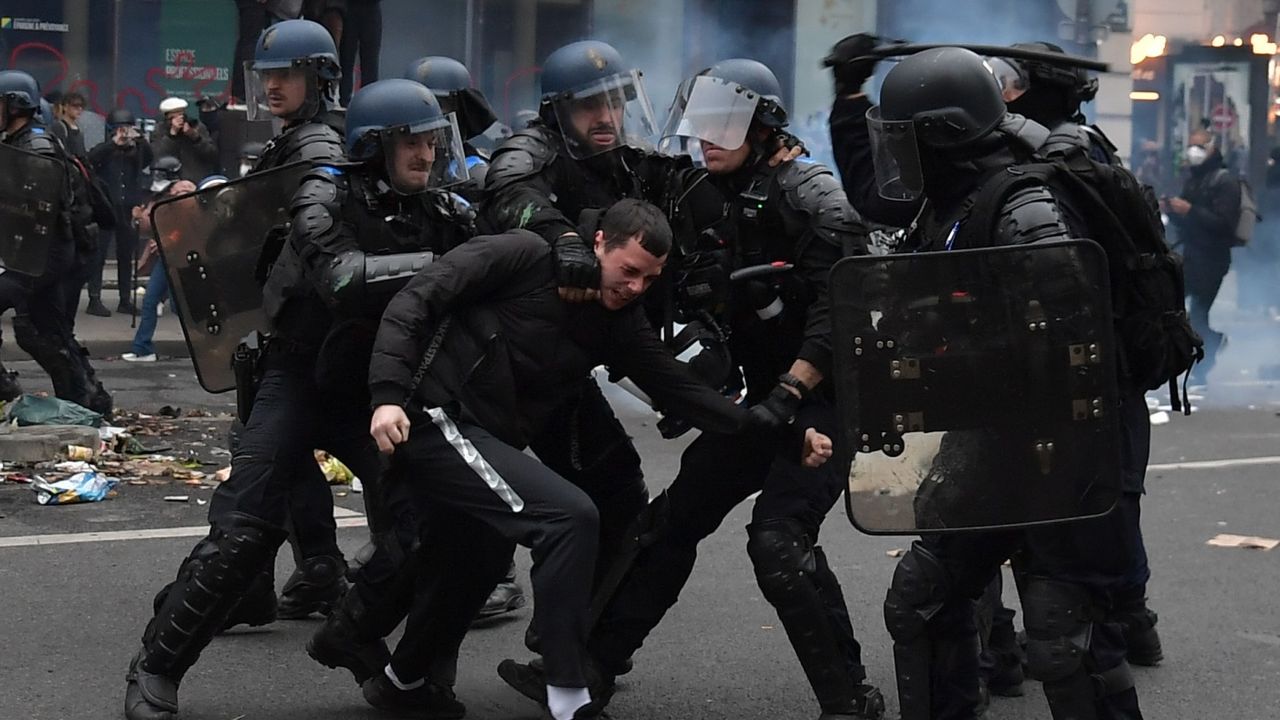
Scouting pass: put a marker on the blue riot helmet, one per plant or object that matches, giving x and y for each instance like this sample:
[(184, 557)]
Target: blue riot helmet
[(943, 103), (294, 72), (20, 94), (398, 124), (595, 99), (451, 83), (719, 105)]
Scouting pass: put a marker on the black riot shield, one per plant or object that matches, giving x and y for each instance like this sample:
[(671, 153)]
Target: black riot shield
[(977, 387), (32, 192), (211, 242)]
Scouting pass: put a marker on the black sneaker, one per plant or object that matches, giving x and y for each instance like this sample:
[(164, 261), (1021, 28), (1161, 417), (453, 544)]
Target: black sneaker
[(429, 700), (315, 587), (530, 680), (96, 308)]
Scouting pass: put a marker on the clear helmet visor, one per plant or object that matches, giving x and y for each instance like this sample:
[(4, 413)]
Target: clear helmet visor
[(604, 115), (713, 111), (1012, 78), (896, 155), (280, 90), (425, 156)]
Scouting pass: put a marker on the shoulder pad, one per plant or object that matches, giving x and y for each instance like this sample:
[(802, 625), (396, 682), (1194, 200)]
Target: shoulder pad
[(522, 155), (812, 189), (38, 141), (317, 203), (1030, 214), (1063, 139), (314, 142)]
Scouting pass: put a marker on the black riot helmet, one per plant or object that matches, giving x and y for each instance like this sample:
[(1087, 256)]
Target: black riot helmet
[(451, 83), (938, 102), (1042, 91), (595, 99), (20, 93)]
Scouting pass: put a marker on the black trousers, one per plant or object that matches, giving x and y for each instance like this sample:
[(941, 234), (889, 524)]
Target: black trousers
[(716, 473), (362, 35), (1204, 271), (476, 497), (274, 476), (43, 332), (126, 239)]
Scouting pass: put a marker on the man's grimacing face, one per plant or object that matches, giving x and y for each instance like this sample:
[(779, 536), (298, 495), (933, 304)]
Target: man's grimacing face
[(626, 271)]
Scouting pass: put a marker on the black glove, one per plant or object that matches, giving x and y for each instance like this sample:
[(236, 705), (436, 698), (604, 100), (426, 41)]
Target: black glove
[(850, 74), (576, 264), (774, 412), (784, 139)]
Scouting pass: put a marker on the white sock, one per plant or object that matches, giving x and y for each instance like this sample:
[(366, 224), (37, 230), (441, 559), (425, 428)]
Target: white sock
[(395, 680), (564, 702)]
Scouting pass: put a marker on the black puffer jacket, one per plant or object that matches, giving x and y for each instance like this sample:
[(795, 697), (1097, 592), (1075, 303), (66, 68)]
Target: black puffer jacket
[(483, 333)]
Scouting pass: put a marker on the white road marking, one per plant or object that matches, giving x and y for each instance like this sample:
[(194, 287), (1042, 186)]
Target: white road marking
[(344, 518), (1215, 464)]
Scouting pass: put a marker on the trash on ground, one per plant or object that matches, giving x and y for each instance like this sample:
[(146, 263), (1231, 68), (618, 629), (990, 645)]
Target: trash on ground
[(334, 470), (177, 498), (1243, 541), (357, 487), (1160, 418), (79, 452), (79, 488), (896, 552), (33, 410), (74, 466)]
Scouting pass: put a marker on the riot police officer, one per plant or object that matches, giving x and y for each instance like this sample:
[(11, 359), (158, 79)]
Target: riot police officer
[(944, 130), (41, 324), (357, 233), (293, 77), (451, 82), (765, 237)]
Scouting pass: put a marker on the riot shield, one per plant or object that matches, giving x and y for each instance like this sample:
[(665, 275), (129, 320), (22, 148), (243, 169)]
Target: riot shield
[(32, 192), (977, 388), (211, 242)]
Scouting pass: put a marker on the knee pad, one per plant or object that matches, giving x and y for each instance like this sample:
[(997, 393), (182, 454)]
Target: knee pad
[(1059, 621), (917, 592), (782, 555)]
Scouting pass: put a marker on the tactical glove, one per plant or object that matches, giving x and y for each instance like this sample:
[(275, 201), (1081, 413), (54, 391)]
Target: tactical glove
[(576, 264)]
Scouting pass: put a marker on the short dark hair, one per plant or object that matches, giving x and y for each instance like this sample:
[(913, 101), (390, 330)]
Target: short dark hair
[(74, 99), (628, 218)]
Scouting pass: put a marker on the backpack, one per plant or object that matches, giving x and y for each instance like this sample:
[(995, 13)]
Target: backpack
[(1148, 295), (1248, 212)]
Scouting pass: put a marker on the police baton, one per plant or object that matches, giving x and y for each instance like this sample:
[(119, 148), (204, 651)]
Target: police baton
[(1049, 58)]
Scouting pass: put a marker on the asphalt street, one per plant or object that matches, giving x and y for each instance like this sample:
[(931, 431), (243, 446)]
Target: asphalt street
[(72, 612)]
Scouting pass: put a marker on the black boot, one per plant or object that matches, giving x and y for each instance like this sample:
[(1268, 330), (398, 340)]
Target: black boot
[(9, 386), (351, 638), (258, 606), (1140, 636), (315, 586), (193, 608), (97, 308)]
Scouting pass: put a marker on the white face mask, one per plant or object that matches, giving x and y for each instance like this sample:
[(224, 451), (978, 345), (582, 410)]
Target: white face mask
[(1196, 154)]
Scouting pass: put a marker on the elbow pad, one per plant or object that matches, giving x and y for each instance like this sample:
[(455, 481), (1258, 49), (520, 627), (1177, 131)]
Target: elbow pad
[(354, 277)]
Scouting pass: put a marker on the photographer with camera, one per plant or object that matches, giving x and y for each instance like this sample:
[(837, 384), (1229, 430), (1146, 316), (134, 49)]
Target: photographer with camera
[(184, 138)]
